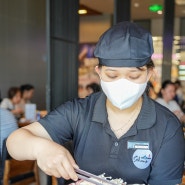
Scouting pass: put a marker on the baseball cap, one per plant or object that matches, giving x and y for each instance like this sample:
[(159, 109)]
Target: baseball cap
[(124, 45)]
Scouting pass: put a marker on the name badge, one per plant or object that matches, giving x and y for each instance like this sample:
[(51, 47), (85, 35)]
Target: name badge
[(137, 145)]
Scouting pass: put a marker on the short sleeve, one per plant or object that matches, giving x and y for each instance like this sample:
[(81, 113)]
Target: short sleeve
[(59, 123), (6, 104), (167, 167)]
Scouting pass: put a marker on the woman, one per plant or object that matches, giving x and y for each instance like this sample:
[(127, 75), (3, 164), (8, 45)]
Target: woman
[(166, 98), (14, 98), (120, 132), (27, 92)]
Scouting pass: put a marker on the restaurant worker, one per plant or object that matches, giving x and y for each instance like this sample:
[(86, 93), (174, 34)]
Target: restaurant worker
[(120, 131)]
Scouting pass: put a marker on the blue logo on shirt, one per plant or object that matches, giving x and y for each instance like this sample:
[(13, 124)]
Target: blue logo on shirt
[(142, 158)]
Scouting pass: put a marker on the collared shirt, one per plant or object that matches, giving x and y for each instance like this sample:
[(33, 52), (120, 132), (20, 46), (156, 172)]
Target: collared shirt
[(151, 152), (7, 104)]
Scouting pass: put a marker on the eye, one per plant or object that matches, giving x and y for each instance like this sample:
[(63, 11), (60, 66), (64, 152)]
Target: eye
[(134, 77), (112, 76)]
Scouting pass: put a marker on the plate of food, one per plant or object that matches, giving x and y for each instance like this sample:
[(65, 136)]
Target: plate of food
[(87, 178)]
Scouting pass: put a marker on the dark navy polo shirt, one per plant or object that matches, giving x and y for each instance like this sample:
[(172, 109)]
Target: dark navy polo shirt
[(151, 152)]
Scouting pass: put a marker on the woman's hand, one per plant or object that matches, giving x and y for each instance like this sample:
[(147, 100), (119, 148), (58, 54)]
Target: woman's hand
[(56, 161), (32, 142)]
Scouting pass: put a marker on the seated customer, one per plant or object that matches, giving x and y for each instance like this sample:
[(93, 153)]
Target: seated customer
[(27, 92), (7, 125), (14, 97), (166, 98)]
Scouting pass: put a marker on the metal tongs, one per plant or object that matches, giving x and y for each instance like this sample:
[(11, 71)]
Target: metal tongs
[(89, 177)]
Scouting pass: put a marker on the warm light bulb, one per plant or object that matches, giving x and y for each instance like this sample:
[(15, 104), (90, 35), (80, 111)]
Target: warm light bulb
[(82, 11), (160, 12)]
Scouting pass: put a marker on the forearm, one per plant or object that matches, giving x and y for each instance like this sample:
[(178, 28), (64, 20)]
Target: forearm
[(23, 145)]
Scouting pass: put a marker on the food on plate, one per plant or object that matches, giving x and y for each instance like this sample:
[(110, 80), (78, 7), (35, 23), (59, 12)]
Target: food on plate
[(118, 181)]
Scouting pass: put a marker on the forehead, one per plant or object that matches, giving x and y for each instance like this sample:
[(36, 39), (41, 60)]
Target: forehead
[(18, 93), (170, 86), (124, 69)]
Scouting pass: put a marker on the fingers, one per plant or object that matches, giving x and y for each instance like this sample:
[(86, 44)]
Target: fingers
[(66, 167), (55, 160), (72, 161), (62, 166)]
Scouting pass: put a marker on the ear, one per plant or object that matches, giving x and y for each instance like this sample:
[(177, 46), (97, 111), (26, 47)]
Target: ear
[(97, 69)]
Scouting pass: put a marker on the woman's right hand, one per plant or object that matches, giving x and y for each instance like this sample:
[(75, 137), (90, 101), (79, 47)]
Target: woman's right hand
[(33, 142), (55, 160)]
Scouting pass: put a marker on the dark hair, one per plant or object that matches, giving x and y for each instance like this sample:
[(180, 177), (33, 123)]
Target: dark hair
[(12, 92), (164, 85), (148, 87), (178, 82), (149, 65), (26, 87), (94, 86)]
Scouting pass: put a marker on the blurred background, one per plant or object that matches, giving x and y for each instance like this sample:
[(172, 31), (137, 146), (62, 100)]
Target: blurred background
[(24, 41)]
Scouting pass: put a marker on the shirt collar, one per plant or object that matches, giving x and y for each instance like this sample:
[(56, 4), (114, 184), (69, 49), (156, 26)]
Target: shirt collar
[(146, 118), (100, 112)]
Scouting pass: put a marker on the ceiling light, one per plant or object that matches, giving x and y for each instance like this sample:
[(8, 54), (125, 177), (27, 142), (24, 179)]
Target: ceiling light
[(85, 10), (136, 5), (82, 11), (160, 12), (155, 7)]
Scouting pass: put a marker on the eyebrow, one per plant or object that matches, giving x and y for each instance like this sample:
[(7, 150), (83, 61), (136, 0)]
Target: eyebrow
[(134, 70), (109, 69), (130, 70)]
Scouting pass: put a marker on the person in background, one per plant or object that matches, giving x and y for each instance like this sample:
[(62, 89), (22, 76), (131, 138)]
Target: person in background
[(179, 93), (118, 131), (93, 88), (166, 98), (8, 124), (27, 92), (14, 98)]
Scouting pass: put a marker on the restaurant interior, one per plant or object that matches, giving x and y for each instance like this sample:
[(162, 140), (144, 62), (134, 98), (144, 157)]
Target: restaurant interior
[(26, 51)]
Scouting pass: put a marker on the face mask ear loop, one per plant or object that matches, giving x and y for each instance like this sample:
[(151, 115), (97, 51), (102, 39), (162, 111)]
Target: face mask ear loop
[(100, 77)]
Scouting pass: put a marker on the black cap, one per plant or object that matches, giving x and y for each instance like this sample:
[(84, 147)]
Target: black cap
[(124, 45)]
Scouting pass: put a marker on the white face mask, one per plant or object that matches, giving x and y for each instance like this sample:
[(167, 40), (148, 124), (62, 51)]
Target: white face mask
[(123, 93)]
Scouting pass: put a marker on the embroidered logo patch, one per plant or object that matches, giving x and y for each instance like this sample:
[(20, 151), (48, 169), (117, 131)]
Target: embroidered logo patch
[(142, 158)]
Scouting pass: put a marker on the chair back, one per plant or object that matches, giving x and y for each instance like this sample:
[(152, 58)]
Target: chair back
[(17, 172)]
